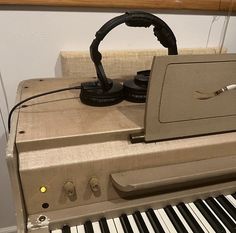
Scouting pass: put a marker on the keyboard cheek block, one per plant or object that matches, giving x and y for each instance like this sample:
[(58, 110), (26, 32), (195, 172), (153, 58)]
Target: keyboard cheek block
[(165, 178)]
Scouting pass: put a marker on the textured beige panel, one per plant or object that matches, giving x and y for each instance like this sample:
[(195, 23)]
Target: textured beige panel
[(62, 115), (122, 63), (64, 140), (67, 141), (174, 85)]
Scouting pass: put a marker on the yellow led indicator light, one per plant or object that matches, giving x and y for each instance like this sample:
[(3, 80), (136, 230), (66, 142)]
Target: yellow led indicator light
[(43, 189)]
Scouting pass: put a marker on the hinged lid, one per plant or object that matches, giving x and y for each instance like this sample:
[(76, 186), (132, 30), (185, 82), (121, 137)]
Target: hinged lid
[(191, 95)]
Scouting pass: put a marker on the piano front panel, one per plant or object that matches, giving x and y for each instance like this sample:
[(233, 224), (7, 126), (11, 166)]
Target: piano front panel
[(52, 168)]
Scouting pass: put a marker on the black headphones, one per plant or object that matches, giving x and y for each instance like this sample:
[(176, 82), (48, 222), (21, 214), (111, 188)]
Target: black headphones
[(104, 91)]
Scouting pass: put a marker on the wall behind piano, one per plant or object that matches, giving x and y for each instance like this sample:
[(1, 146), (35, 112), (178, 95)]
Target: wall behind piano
[(31, 39)]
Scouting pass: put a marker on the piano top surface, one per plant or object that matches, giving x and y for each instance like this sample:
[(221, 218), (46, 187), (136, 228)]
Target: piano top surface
[(62, 115), (54, 122)]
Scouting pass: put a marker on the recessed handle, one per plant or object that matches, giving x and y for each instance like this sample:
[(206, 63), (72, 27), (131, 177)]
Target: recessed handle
[(185, 174)]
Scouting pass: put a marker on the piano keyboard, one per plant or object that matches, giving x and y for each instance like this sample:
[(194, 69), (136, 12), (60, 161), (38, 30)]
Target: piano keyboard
[(201, 216)]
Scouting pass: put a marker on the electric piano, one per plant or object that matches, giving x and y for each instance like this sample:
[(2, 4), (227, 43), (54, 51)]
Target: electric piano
[(167, 165)]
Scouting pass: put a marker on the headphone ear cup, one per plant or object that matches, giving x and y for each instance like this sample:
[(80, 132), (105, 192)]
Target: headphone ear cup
[(142, 78), (133, 92), (136, 90), (92, 94)]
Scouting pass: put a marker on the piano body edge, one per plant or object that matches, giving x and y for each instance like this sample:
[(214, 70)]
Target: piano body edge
[(25, 162), (13, 168)]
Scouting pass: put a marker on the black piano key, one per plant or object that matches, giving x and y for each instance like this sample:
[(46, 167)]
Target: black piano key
[(196, 228), (66, 229), (103, 225), (175, 219), (88, 227), (234, 195), (226, 220), (125, 224), (140, 223), (156, 225), (227, 206), (209, 216)]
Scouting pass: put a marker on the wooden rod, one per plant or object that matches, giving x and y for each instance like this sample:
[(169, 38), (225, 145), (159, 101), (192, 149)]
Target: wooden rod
[(199, 5)]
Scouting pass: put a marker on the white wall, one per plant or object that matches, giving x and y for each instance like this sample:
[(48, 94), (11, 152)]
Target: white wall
[(6, 204), (30, 42)]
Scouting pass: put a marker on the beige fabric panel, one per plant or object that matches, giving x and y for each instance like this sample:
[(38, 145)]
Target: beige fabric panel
[(64, 139), (62, 115), (123, 63)]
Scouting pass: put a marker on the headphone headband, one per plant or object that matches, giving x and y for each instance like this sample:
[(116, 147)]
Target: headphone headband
[(132, 19)]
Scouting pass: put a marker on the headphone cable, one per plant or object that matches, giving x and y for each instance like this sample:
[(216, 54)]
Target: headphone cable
[(37, 96)]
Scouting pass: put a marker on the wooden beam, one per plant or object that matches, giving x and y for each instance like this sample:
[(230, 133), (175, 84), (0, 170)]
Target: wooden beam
[(228, 5), (200, 5)]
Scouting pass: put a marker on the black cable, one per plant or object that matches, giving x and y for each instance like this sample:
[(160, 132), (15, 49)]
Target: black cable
[(34, 97)]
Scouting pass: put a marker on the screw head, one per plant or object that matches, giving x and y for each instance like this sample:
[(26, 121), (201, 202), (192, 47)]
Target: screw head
[(42, 218)]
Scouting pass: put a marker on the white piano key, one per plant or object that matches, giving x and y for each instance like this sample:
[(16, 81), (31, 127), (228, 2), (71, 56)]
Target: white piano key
[(163, 224), (118, 225), (167, 221), (189, 230), (231, 199), (80, 229), (201, 218), (133, 223), (73, 229), (57, 231), (96, 227), (111, 226), (226, 229), (225, 210), (196, 218), (147, 223)]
